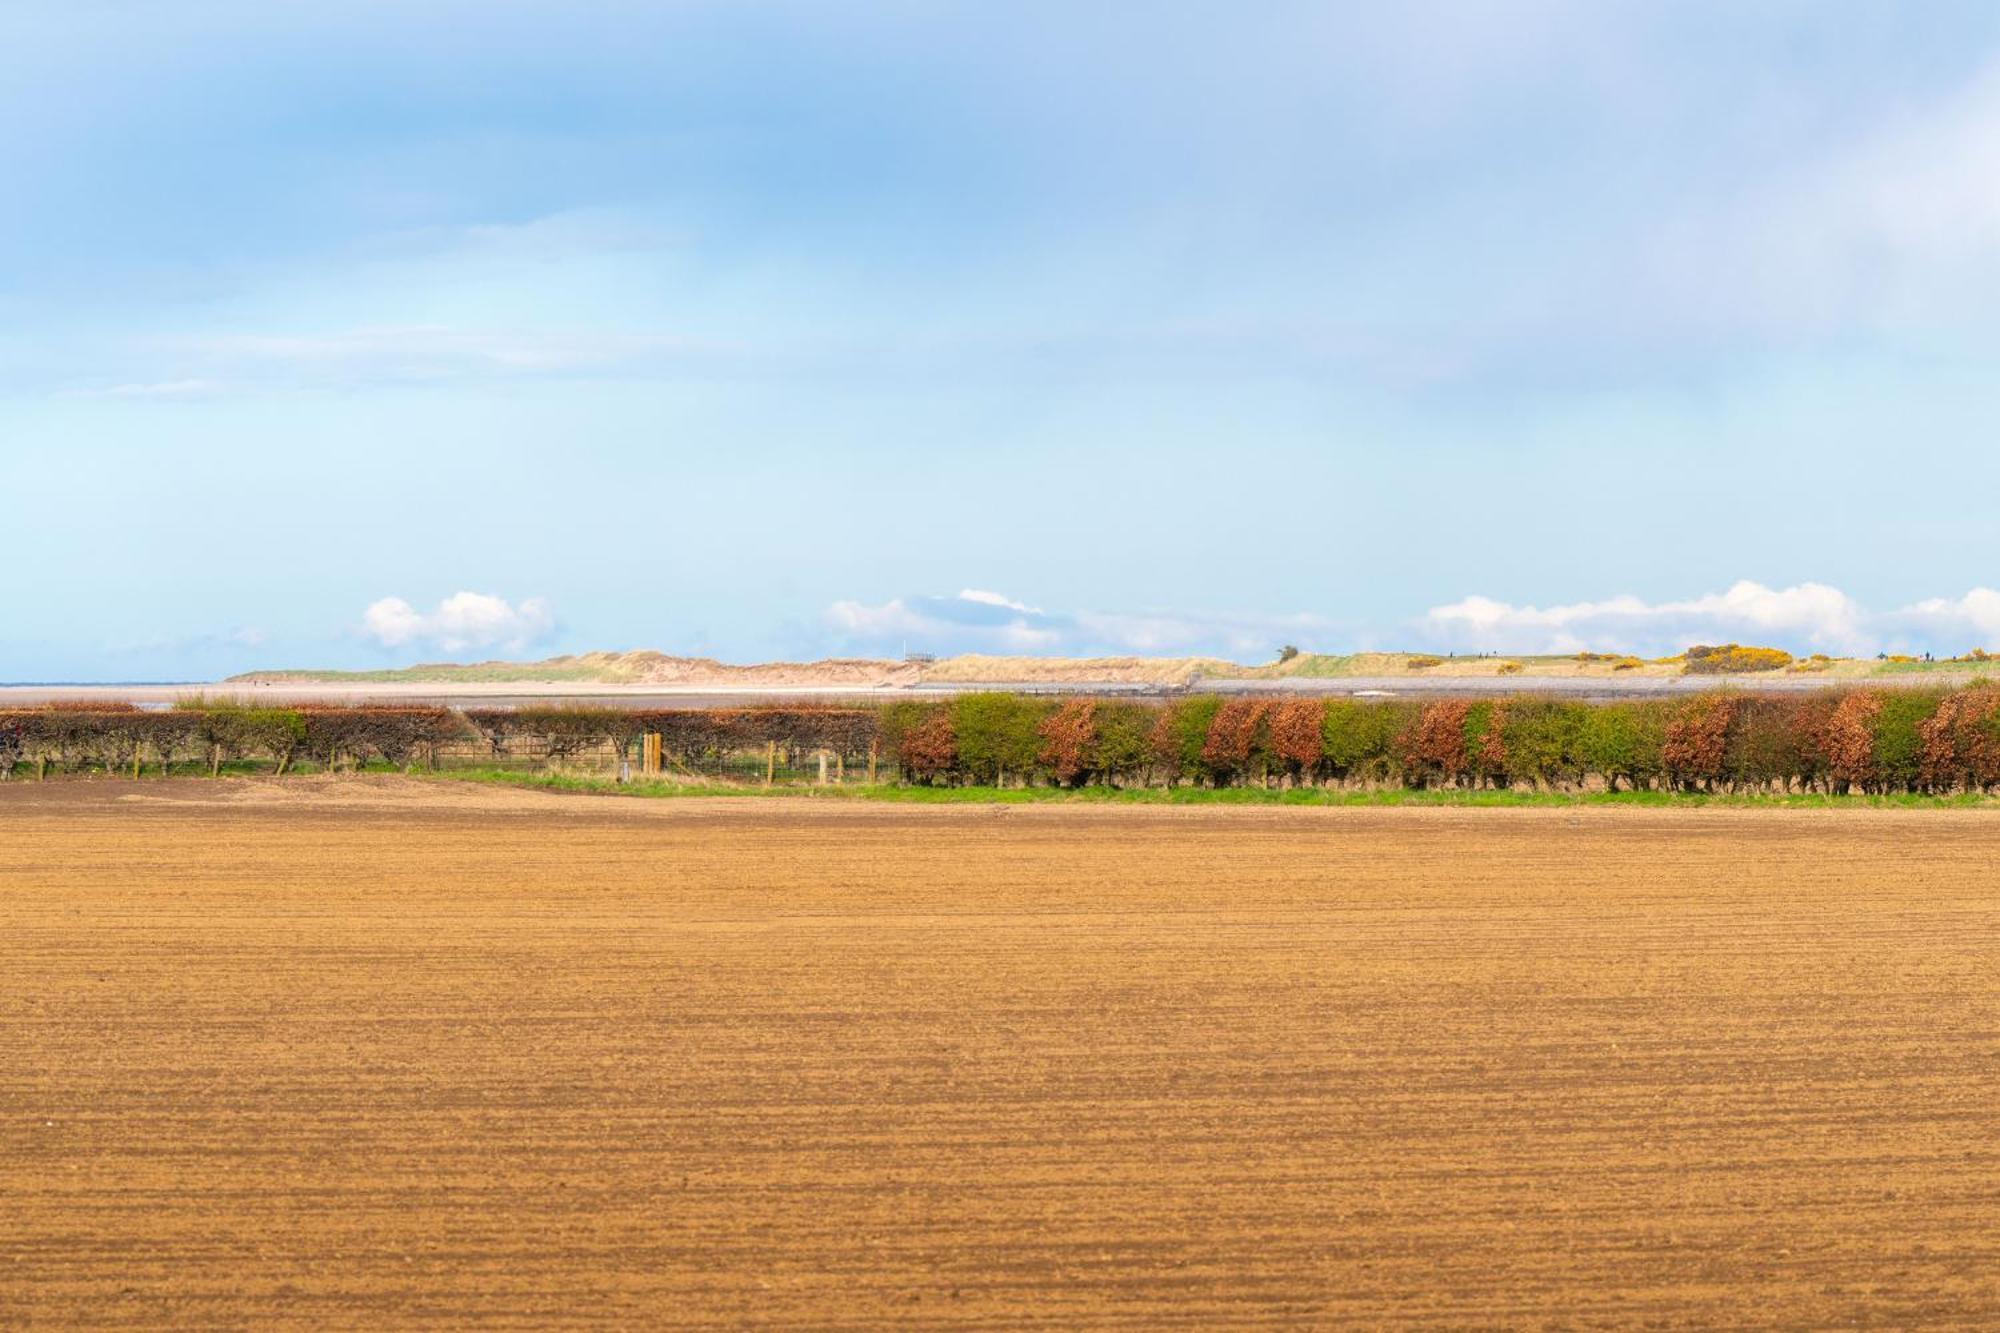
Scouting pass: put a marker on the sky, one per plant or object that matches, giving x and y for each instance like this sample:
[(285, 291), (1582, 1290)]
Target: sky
[(364, 334)]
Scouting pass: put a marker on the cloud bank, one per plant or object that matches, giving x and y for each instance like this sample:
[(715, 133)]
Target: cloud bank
[(1804, 618), (1809, 617), (462, 622)]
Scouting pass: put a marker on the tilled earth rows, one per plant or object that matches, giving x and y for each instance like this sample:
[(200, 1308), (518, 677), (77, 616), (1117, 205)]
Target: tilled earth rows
[(386, 1053)]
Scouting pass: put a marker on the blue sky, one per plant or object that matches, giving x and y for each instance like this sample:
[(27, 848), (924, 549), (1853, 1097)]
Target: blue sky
[(372, 333)]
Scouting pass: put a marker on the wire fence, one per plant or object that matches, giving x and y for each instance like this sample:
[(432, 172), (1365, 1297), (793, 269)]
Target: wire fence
[(791, 765)]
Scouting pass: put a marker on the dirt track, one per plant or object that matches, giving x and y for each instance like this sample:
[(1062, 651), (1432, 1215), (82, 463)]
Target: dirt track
[(377, 1054)]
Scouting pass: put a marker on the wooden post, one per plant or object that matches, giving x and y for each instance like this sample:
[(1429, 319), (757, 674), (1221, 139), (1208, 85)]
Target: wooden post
[(873, 748), (214, 763), (822, 768), (770, 762), (135, 763)]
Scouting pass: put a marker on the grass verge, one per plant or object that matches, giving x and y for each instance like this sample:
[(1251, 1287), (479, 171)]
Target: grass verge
[(1197, 795)]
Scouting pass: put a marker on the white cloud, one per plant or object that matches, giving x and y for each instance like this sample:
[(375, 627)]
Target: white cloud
[(997, 599), (980, 621), (1973, 619), (462, 621), (1252, 638), (876, 622)]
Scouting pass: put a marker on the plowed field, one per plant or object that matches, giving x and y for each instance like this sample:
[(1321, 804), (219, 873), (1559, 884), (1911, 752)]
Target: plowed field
[(381, 1053)]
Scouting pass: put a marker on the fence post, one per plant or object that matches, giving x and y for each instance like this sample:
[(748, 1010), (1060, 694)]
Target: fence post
[(822, 768), (873, 748), (770, 762)]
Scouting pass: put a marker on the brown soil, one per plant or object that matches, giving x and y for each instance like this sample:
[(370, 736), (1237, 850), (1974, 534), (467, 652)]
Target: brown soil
[(384, 1053)]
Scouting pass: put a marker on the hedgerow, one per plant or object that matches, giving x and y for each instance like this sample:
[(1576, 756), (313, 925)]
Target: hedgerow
[(1485, 751), (1433, 749), (1361, 740), (1897, 738), (1696, 745), (231, 731), (929, 750), (1180, 735), (1298, 736), (998, 735), (123, 739), (1624, 742), (1541, 742), (1124, 742), (1767, 746), (1875, 741), (1850, 741), (1961, 742), (1236, 738), (1069, 742)]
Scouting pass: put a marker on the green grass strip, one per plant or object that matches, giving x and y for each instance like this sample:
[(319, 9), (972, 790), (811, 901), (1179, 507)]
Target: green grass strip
[(1311, 796)]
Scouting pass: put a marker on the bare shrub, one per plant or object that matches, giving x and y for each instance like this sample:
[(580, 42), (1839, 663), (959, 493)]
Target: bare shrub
[(1433, 749), (1233, 736), (1069, 741), (1298, 735), (929, 750), (1696, 748), (1849, 741), (1961, 742)]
